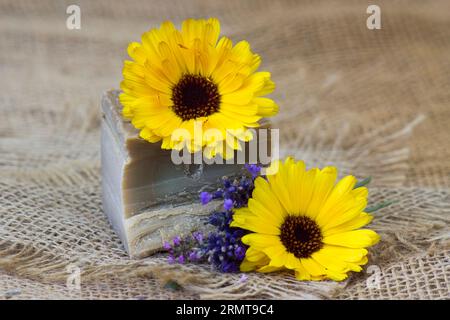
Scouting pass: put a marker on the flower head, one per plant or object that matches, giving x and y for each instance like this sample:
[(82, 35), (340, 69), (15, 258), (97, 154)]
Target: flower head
[(304, 221), (177, 241), (243, 278), (193, 256), (171, 259), (228, 204), (167, 246), (205, 197), (253, 169), (179, 80), (198, 236)]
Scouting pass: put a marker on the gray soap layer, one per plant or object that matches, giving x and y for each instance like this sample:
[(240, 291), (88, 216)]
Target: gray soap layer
[(146, 197)]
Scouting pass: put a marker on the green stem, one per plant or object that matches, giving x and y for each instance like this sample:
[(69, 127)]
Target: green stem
[(363, 183), (379, 206)]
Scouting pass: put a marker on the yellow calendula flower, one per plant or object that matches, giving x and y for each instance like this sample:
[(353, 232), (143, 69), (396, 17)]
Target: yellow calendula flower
[(304, 221), (190, 79)]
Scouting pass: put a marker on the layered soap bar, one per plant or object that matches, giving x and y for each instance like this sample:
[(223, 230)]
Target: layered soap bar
[(146, 197)]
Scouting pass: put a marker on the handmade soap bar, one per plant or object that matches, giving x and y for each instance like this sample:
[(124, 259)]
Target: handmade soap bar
[(146, 197)]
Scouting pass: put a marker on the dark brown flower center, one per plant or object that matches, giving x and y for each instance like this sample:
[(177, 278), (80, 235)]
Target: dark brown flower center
[(301, 236), (195, 96)]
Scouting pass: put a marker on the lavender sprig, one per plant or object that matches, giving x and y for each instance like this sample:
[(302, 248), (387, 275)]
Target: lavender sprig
[(222, 248)]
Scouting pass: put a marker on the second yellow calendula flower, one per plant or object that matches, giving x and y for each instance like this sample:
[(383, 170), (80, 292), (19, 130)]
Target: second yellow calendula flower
[(304, 221)]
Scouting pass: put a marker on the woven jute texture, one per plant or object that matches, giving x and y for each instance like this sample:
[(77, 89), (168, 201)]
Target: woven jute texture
[(372, 102)]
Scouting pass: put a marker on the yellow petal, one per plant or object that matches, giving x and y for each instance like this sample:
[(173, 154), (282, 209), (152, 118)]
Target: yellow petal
[(256, 81), (353, 239), (342, 189), (292, 262), (313, 268), (157, 80), (329, 262), (346, 254), (267, 269), (260, 241), (244, 119), (239, 97), (212, 31), (230, 83), (247, 266), (269, 87), (279, 184), (254, 255), (136, 53), (323, 184), (347, 210), (147, 134), (302, 274), (248, 110), (259, 210), (360, 221), (277, 255), (192, 29), (306, 190), (266, 107), (336, 276), (264, 195), (243, 218)]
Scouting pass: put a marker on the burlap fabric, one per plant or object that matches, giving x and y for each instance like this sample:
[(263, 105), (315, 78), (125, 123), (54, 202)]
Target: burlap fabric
[(372, 102)]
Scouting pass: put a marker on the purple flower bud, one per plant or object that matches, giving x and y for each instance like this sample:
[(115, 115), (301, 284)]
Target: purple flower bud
[(243, 278), (226, 182), (198, 236), (239, 253), (177, 241), (253, 169), (193, 256), (218, 194), (228, 204), (171, 259), (181, 259), (205, 197), (167, 245)]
